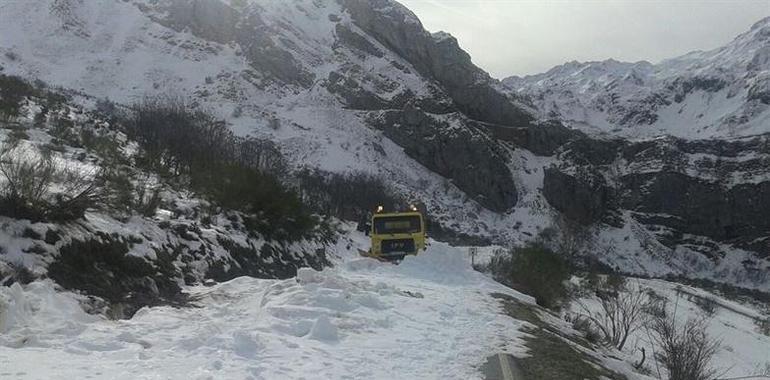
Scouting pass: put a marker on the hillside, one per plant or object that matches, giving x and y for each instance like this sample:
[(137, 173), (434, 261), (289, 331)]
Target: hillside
[(83, 203), (721, 93), (181, 181), (361, 87), (320, 78)]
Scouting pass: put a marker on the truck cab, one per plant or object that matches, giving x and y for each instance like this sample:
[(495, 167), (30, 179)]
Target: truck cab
[(397, 234)]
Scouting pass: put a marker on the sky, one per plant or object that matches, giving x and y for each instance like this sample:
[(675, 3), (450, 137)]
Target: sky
[(521, 37)]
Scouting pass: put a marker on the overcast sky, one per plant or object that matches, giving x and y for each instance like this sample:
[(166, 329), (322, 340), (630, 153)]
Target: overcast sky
[(519, 37)]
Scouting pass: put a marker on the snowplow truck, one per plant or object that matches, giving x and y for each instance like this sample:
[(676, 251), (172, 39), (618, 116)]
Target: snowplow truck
[(396, 234)]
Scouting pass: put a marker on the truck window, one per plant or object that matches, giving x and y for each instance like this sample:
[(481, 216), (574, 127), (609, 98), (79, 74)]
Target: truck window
[(397, 224)]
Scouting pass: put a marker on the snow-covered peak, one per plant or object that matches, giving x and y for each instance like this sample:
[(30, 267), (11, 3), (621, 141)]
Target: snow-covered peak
[(441, 36), (724, 92)]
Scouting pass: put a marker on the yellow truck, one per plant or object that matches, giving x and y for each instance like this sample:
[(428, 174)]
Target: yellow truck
[(396, 234)]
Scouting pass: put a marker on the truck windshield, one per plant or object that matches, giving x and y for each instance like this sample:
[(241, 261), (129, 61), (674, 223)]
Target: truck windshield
[(406, 224)]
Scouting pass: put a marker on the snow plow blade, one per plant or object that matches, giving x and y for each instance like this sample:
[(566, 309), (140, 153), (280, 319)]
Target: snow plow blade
[(385, 258)]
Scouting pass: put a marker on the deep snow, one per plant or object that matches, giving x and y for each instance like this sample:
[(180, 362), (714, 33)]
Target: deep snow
[(430, 317)]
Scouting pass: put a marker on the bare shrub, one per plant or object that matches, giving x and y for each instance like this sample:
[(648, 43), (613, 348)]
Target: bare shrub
[(191, 147), (13, 90), (261, 154), (657, 305), (81, 190), (586, 326), (128, 193), (622, 312), (686, 351), (177, 139), (763, 325), (565, 236), (148, 197), (26, 178), (764, 370), (27, 187), (350, 196), (707, 304), (536, 271)]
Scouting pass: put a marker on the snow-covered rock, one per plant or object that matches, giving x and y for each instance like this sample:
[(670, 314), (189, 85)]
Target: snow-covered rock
[(704, 94)]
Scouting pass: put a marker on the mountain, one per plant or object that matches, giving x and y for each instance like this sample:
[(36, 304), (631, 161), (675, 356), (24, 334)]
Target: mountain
[(326, 76), (154, 158), (719, 93), (360, 86)]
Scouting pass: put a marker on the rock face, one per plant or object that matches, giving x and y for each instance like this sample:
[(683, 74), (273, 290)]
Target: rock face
[(448, 146), (583, 197), (542, 138), (711, 188), (216, 21), (436, 128), (438, 57)]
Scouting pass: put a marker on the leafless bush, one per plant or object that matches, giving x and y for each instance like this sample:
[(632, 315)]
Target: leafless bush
[(707, 304), (179, 139), (191, 147), (348, 196), (586, 327), (764, 370), (565, 236), (685, 351), (656, 305), (261, 154), (28, 179), (623, 311), (108, 108), (763, 325), (81, 190), (148, 198)]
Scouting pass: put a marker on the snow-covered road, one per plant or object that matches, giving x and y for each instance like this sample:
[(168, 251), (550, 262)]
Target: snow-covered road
[(431, 317)]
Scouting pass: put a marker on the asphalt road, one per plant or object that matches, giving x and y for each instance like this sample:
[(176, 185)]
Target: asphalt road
[(501, 367)]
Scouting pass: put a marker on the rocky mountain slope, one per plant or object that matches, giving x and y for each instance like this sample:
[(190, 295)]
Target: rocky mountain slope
[(116, 230), (325, 76), (720, 93), (678, 149), (361, 86)]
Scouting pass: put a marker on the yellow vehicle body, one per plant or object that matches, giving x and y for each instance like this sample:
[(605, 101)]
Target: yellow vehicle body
[(397, 234)]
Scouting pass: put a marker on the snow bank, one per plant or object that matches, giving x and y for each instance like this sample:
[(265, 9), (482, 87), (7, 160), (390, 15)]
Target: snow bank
[(29, 314), (440, 263), (429, 318)]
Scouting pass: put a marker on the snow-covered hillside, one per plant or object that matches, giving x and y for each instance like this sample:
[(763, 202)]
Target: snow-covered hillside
[(736, 327), (301, 73), (712, 94), (356, 85)]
